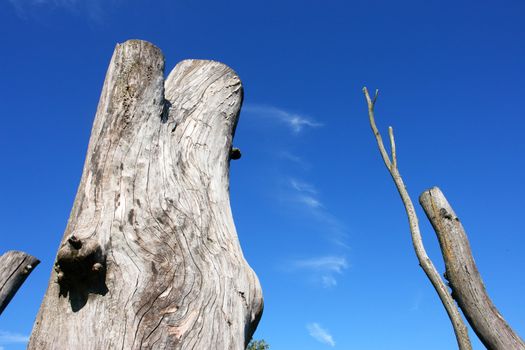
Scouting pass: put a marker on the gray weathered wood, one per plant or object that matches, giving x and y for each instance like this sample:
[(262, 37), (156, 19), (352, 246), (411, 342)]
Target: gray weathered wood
[(460, 329), (150, 258), (15, 266), (464, 278)]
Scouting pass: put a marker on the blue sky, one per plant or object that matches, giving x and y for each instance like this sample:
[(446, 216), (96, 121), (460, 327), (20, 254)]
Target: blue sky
[(317, 214)]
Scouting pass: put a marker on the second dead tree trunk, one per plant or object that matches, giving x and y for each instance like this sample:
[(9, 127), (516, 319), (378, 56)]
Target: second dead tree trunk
[(462, 273), (150, 258)]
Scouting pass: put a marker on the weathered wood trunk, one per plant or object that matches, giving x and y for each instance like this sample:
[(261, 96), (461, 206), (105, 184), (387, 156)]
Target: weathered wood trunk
[(150, 258), (465, 280), (15, 266)]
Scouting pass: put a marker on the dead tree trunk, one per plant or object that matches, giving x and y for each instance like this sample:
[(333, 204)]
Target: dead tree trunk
[(461, 271), (15, 266), (464, 278), (150, 257), (460, 329)]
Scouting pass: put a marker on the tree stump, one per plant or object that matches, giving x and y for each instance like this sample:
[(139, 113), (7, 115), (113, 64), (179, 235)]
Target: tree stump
[(150, 258)]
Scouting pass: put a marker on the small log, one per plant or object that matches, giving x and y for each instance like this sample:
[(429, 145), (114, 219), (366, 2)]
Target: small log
[(464, 278), (15, 266)]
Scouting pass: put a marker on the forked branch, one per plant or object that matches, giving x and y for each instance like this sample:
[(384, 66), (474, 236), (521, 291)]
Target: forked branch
[(426, 264)]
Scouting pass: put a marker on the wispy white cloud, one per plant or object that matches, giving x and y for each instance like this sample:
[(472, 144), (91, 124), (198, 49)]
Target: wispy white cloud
[(93, 9), (416, 303), (323, 269), (302, 186), (325, 263), (307, 195), (328, 281), (320, 334), (309, 201), (55, 3), (296, 122), (7, 337), (294, 159)]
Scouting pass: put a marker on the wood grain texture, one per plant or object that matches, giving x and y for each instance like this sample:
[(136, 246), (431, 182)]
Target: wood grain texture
[(15, 266), (464, 278), (153, 211)]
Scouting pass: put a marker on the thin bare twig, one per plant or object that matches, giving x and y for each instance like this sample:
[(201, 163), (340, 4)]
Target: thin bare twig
[(392, 146), (424, 261)]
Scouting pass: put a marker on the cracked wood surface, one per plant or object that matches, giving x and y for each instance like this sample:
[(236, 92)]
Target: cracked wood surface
[(465, 280), (154, 203), (15, 266)]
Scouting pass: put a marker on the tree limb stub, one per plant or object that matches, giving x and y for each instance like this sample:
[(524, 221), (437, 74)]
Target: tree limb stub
[(464, 278), (460, 329), (152, 218), (15, 266)]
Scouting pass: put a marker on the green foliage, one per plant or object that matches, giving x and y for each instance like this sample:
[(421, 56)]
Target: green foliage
[(258, 345)]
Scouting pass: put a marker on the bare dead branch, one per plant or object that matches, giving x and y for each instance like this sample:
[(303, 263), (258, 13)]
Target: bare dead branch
[(426, 264), (377, 134), (392, 146)]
